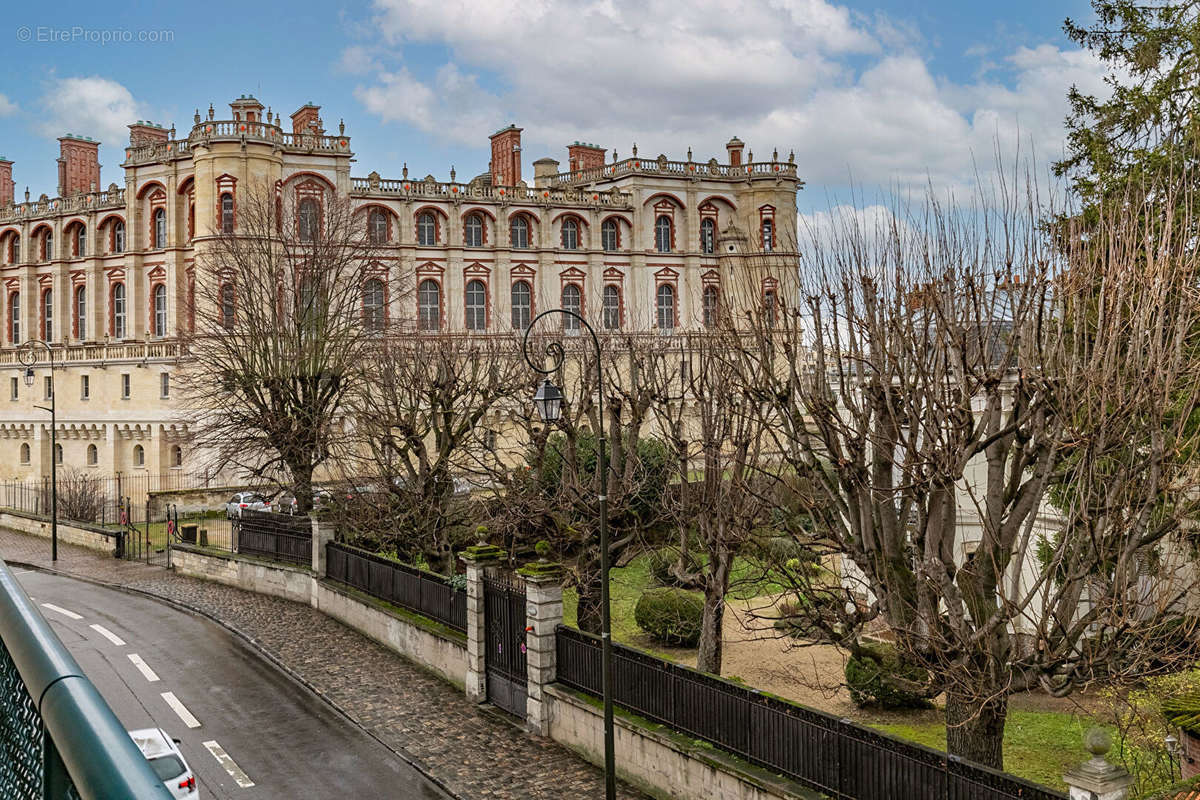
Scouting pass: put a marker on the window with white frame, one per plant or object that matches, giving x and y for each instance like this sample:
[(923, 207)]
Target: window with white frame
[(426, 229), (662, 233), (522, 305), (373, 316), (609, 237), (118, 310), (473, 231), (612, 307), (429, 305), (80, 312), (476, 305), (572, 300), (570, 234), (160, 310), (665, 303), (520, 232), (160, 228)]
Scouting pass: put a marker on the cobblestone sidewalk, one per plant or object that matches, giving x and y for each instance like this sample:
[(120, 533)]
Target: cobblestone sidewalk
[(473, 753)]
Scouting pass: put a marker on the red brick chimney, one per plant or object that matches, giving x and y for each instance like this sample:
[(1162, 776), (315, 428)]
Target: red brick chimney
[(8, 191), (506, 156), (146, 132), (734, 148), (78, 165), (581, 155), (307, 120)]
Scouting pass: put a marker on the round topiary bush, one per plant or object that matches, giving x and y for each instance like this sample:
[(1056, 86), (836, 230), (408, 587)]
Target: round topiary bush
[(672, 616), (662, 561), (876, 675)]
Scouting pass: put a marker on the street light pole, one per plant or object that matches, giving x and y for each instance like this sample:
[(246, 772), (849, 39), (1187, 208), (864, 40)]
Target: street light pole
[(28, 357), (549, 402)]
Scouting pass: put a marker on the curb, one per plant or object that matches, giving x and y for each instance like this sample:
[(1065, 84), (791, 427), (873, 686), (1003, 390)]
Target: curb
[(261, 649)]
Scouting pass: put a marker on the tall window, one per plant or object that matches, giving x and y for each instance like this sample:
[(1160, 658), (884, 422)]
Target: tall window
[(227, 306), (608, 235), (24, 453), (570, 234), (160, 228), (48, 316), (768, 235), (429, 306), (176, 456), (93, 455), (520, 232), (377, 226), (139, 456), (612, 307), (118, 237), (81, 241), (12, 252), (58, 453), (711, 299), (476, 306), (473, 231), (708, 235), (373, 304), (164, 385), (160, 310), (522, 305), (426, 229), (662, 233), (769, 307), (572, 300), (48, 246), (666, 307), (308, 220), (118, 311), (227, 213), (14, 318)]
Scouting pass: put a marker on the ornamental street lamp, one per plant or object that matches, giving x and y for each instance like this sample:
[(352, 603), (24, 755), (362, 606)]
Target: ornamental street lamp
[(28, 357), (548, 402)]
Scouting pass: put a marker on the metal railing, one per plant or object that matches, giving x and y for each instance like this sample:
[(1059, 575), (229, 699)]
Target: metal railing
[(427, 593), (835, 757), (58, 738), (279, 537)]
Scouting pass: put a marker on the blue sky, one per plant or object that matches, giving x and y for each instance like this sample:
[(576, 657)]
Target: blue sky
[(876, 94)]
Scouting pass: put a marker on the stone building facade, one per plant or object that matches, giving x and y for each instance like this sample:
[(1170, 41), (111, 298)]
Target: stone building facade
[(106, 274)]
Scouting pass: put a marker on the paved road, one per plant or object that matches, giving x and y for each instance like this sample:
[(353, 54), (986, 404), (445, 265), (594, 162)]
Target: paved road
[(278, 736)]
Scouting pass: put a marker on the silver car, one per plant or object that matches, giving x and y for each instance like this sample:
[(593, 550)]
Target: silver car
[(167, 762), (243, 501)]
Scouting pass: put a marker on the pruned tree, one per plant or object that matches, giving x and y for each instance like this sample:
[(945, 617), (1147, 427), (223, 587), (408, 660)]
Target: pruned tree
[(940, 378), (278, 335)]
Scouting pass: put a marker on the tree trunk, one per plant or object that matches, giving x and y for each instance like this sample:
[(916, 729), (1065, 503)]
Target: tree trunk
[(975, 728), (588, 616), (708, 656), (302, 487)]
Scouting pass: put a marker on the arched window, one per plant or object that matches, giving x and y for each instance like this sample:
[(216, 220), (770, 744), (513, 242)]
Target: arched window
[(612, 307), (48, 315), (139, 456), (520, 232), (160, 228), (118, 311), (227, 306), (118, 240), (666, 307), (708, 235), (769, 308), (80, 312), (768, 235), (662, 233), (48, 246), (176, 456), (14, 318), (473, 231), (58, 453), (377, 226), (308, 220), (93, 455), (227, 213), (572, 300), (609, 235), (24, 453), (476, 305), (373, 304), (14, 249), (711, 306), (160, 310), (429, 306), (570, 234), (80, 241), (522, 305), (426, 229)]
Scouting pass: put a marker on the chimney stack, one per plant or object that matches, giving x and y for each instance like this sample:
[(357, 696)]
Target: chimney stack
[(145, 132), (505, 166), (543, 170), (734, 148), (307, 120), (582, 155), (8, 190), (78, 165)]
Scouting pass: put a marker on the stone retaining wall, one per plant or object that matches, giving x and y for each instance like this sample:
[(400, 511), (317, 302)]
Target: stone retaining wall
[(93, 538)]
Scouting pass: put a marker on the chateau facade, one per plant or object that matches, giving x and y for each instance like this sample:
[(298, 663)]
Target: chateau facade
[(106, 275)]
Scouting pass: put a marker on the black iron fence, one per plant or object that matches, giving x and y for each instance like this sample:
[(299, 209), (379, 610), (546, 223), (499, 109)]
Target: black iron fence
[(838, 758), (279, 537), (101, 500), (426, 593)]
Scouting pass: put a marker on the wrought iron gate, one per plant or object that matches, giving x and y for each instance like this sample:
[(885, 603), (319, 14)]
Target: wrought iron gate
[(504, 620)]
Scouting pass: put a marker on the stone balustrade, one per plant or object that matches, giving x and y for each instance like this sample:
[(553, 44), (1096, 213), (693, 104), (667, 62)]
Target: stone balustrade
[(226, 129), (438, 190), (59, 206), (708, 170), (74, 352)]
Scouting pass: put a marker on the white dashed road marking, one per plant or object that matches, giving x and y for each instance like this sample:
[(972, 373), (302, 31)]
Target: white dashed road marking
[(107, 634), (143, 668), (180, 709), (225, 761), (61, 610)]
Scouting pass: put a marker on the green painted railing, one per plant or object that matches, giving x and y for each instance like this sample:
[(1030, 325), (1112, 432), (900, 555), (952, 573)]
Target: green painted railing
[(59, 740)]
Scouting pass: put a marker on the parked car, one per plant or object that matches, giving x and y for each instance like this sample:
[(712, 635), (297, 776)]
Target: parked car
[(246, 500), (167, 762), (286, 504)]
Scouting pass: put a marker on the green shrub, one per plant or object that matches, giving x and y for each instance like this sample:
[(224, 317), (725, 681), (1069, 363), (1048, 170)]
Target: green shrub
[(876, 675), (661, 561), (671, 616)]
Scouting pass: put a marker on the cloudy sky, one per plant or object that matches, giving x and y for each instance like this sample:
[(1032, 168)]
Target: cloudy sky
[(872, 95)]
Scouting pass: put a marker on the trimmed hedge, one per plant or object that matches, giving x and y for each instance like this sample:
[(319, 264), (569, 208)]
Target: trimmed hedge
[(671, 616), (871, 678)]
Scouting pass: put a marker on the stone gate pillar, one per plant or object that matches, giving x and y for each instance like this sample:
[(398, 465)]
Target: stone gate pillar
[(1096, 779), (478, 559), (543, 614)]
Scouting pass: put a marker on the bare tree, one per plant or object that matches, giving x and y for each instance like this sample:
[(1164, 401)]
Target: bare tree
[(940, 378), (278, 335)]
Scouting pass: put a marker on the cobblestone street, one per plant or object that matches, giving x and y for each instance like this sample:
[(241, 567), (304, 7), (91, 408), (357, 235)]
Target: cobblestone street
[(472, 752)]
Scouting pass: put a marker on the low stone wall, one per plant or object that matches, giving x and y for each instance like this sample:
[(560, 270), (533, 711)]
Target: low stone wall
[(251, 574), (659, 762), (91, 537), (191, 501)]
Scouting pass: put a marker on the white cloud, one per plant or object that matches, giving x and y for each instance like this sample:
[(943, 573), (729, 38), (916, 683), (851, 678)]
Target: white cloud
[(453, 106), (93, 106), (7, 106)]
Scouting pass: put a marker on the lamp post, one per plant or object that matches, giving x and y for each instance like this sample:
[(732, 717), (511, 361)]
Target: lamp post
[(548, 402), (28, 357)]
